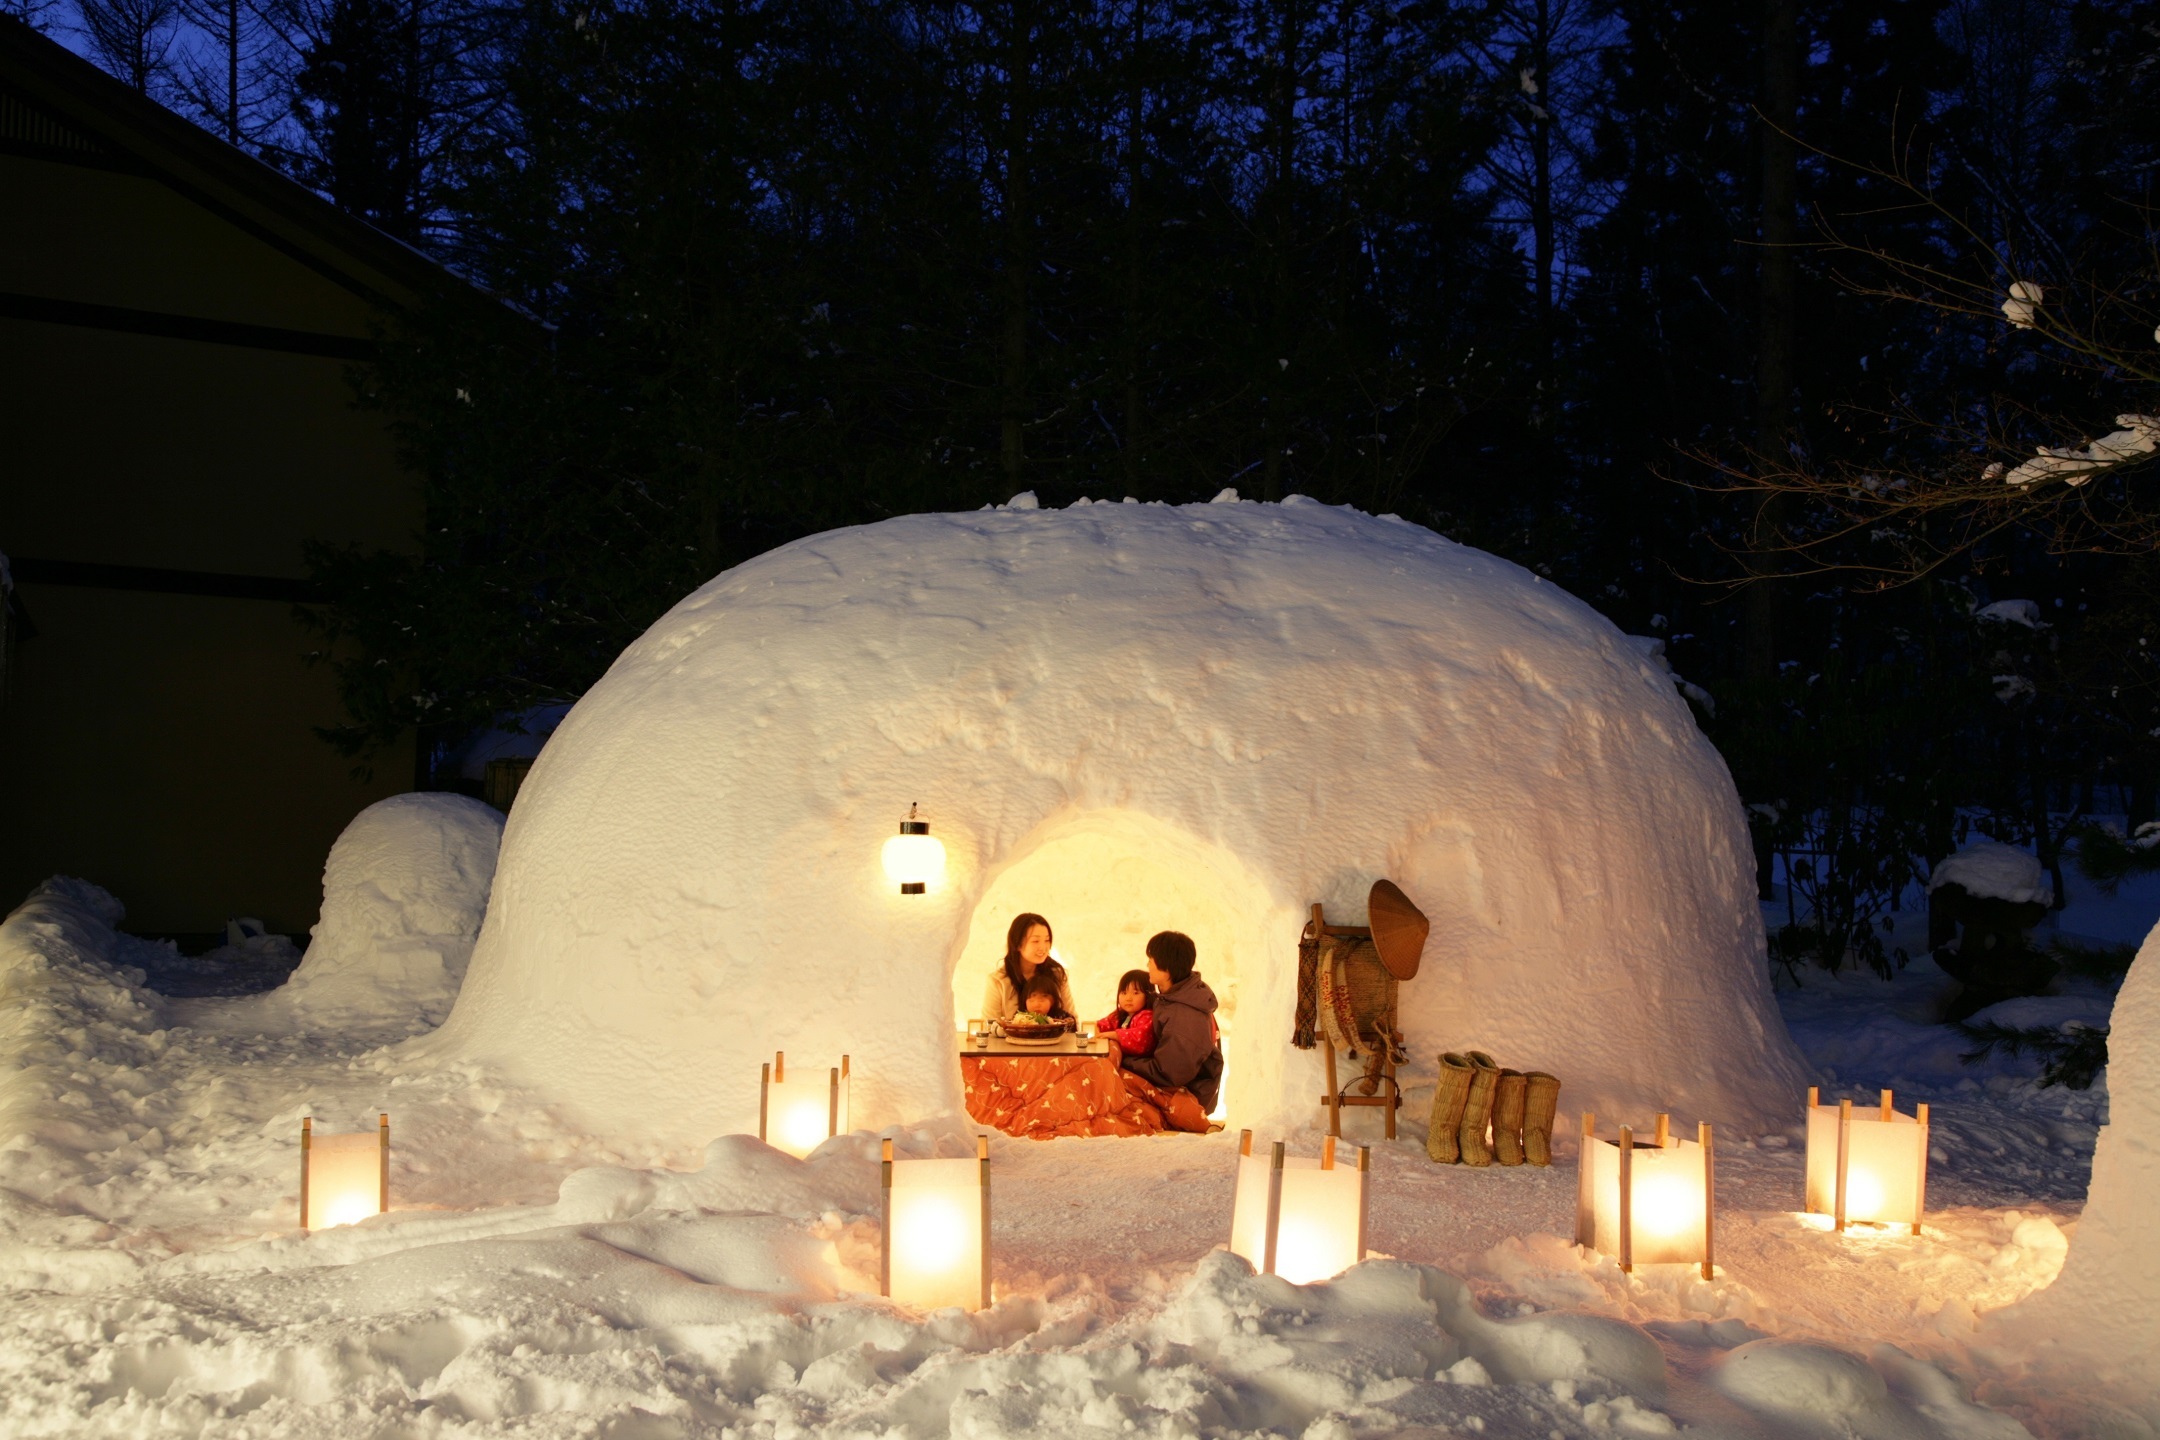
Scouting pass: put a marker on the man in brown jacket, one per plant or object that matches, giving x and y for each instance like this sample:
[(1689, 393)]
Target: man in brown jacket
[(1188, 1049)]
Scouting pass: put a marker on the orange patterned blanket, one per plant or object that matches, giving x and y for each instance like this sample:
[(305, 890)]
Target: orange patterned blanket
[(1046, 1096)]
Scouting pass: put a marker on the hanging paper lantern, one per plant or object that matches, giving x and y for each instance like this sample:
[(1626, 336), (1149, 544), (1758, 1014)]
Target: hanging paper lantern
[(914, 859)]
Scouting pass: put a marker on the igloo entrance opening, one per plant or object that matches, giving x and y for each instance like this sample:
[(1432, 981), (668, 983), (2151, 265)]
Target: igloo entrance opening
[(1107, 880)]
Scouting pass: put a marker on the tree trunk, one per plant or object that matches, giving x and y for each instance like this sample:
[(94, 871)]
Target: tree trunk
[(1135, 241), (1776, 363), (1544, 224), (1282, 119), (1013, 348), (232, 72), (2047, 844)]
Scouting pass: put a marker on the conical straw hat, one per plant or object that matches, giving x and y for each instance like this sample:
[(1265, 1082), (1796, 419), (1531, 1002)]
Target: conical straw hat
[(1399, 929)]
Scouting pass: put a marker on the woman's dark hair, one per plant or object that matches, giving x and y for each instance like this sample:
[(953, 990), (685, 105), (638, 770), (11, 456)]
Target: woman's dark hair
[(1015, 935), (1136, 980), (1173, 953), (1044, 983)]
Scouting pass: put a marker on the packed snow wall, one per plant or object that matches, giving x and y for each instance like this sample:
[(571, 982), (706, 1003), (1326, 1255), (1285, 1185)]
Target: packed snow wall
[(2102, 1314), (1129, 718)]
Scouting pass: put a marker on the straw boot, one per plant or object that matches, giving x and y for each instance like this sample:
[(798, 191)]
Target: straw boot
[(1477, 1111), (1509, 1093), (1542, 1100), (1448, 1099)]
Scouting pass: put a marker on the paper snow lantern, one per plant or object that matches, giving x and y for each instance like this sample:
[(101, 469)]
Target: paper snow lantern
[(914, 859), (343, 1178), (936, 1232), (1647, 1202), (1866, 1165), (1302, 1219), (801, 1113)]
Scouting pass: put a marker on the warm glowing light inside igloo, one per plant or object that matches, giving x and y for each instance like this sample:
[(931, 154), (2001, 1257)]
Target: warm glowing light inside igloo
[(1107, 880)]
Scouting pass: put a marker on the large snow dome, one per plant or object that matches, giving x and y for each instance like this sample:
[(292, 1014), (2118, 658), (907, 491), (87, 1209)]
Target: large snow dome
[(1127, 718), (2102, 1314)]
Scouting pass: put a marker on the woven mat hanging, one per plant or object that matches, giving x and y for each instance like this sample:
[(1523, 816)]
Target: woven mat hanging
[(1304, 1028)]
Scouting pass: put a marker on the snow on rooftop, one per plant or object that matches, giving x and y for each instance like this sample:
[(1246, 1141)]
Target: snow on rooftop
[(1127, 718)]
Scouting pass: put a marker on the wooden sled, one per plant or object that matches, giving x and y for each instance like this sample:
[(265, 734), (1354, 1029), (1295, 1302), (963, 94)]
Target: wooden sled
[(1379, 1080)]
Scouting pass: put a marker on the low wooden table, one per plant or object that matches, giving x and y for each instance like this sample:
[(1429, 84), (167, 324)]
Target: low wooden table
[(1002, 1048)]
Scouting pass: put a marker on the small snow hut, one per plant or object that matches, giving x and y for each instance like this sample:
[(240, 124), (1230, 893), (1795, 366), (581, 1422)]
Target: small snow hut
[(1127, 718)]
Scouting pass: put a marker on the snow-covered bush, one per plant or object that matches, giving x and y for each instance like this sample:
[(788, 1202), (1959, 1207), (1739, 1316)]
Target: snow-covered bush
[(404, 892)]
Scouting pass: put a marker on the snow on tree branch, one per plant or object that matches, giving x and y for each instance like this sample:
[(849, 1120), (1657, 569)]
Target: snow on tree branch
[(2139, 438), (2023, 306)]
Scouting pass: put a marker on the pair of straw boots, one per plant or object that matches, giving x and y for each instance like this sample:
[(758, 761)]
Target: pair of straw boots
[(1474, 1094)]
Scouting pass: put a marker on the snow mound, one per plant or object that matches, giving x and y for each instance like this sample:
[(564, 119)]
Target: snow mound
[(2103, 1312), (2053, 1012), (1990, 870), (2012, 612), (1815, 1389), (666, 1317), (1128, 718), (404, 892), (69, 1018)]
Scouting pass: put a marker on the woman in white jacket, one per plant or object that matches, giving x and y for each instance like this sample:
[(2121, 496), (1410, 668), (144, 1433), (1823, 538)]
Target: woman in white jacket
[(1027, 949)]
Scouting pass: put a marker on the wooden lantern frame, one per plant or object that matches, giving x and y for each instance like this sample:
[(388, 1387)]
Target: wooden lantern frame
[(1271, 1220), (308, 1145), (1840, 1186), (837, 1097), (1586, 1227), (885, 1217)]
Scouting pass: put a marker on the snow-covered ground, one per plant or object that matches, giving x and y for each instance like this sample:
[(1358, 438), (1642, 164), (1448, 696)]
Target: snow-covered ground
[(531, 1281)]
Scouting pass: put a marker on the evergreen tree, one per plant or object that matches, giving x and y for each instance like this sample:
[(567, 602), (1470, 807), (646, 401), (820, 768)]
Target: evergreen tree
[(133, 39), (811, 264), (222, 79), (387, 97)]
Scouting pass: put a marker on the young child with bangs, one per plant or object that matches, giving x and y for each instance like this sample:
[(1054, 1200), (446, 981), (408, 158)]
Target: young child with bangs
[(1132, 1023)]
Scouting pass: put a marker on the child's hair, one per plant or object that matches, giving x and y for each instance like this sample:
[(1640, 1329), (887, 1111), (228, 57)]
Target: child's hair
[(1136, 980), (1044, 983)]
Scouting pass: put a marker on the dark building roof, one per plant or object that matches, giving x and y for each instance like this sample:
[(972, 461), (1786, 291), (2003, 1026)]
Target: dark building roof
[(55, 104)]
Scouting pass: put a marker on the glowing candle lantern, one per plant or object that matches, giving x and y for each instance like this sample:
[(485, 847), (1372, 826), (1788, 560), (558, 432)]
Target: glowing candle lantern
[(914, 860), (1647, 1202), (1866, 1165), (1302, 1219), (343, 1178), (936, 1251), (801, 1114)]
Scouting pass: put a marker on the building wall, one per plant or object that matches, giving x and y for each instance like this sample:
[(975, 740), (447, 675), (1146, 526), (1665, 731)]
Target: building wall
[(157, 742)]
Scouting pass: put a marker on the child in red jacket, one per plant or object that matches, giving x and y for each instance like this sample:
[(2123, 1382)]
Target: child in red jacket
[(1132, 1024)]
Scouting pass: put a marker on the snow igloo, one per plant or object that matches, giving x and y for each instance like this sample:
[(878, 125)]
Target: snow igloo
[(1128, 718), (2101, 1316)]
